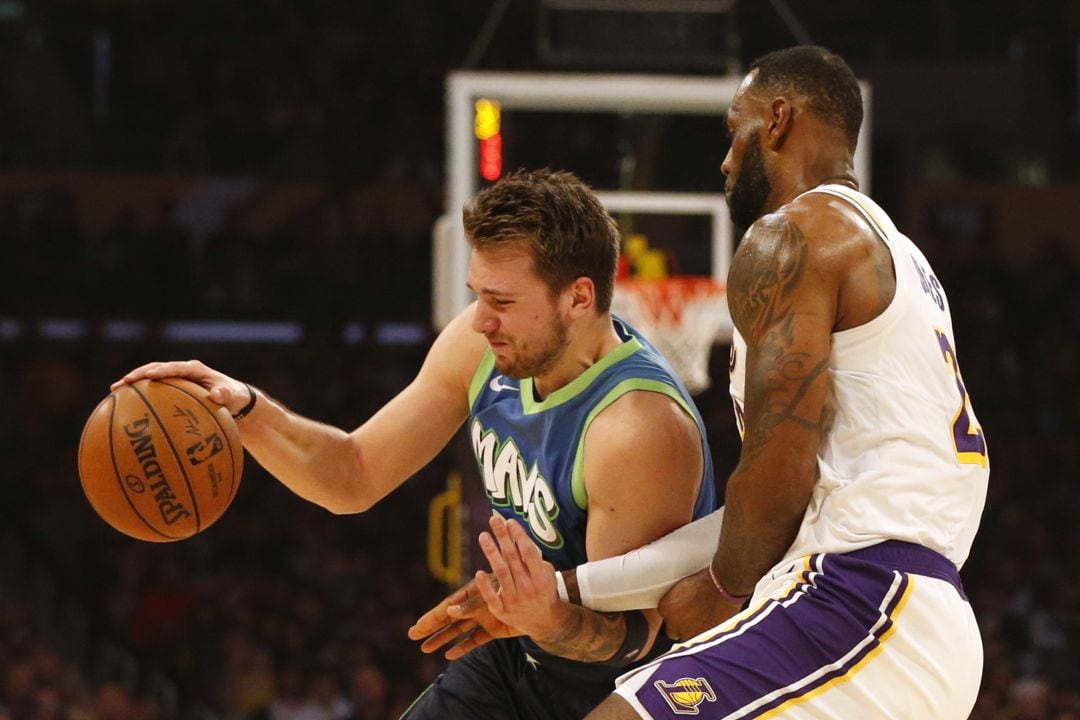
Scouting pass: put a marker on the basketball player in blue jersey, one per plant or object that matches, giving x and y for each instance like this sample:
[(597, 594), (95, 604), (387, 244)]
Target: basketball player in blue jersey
[(584, 437), (833, 591)]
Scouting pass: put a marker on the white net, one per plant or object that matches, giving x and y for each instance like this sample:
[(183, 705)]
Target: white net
[(682, 316)]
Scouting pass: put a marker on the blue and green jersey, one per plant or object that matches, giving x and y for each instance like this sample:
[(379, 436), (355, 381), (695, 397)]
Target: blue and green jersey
[(531, 452)]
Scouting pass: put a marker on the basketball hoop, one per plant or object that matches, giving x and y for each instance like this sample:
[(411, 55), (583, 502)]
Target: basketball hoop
[(682, 315)]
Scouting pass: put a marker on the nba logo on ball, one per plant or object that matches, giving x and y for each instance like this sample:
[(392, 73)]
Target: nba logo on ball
[(685, 694)]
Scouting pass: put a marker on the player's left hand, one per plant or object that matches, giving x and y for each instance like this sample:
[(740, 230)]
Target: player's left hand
[(693, 606), (462, 616), (520, 591)]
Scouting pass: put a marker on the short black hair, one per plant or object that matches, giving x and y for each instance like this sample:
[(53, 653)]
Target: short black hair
[(822, 77)]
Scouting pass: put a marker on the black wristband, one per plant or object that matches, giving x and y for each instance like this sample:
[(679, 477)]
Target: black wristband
[(250, 404), (637, 634)]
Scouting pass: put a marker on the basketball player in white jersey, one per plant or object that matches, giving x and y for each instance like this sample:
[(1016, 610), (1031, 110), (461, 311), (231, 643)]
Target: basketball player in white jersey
[(834, 589), (863, 470)]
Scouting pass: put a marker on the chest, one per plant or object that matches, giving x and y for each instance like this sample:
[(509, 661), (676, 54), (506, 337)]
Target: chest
[(527, 462)]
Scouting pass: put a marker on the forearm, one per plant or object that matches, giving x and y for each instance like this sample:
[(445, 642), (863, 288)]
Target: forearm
[(316, 461), (588, 636), (758, 529), (639, 578)]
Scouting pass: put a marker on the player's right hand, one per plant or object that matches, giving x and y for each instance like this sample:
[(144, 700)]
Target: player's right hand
[(462, 614), (223, 389)]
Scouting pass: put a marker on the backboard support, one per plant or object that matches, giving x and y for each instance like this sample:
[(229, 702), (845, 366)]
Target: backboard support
[(570, 92)]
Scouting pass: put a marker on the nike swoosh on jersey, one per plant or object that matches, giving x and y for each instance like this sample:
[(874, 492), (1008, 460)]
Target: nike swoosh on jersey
[(497, 386)]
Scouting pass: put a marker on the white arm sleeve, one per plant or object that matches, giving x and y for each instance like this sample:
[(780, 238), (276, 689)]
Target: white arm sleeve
[(638, 579)]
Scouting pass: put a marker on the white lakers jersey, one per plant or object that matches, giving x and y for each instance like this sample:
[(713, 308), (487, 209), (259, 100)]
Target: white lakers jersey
[(902, 455)]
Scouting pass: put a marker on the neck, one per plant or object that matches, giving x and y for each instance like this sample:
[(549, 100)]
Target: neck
[(811, 168), (851, 182), (588, 343)]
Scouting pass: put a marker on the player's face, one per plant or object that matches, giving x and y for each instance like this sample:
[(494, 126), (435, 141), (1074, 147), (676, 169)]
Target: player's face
[(516, 312), (748, 187)]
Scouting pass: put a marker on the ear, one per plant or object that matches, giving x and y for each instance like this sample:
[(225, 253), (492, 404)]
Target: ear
[(780, 122), (580, 297)]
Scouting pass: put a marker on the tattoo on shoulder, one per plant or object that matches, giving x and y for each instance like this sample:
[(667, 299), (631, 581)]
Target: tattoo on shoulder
[(766, 273), (766, 270)]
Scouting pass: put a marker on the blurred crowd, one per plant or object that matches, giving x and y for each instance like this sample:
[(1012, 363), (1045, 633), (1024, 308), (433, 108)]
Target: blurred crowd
[(145, 263), (1016, 332), (263, 86), (281, 611)]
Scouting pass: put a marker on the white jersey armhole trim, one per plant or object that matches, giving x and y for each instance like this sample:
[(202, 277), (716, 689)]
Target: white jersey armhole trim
[(891, 314)]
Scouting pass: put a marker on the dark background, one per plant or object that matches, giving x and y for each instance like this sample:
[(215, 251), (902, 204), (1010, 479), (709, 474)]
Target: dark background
[(283, 161)]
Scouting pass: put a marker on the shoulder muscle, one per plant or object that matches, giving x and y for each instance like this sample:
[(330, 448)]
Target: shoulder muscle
[(454, 356), (776, 262), (643, 469)]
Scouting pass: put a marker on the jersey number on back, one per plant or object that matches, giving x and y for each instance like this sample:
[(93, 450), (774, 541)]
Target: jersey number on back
[(967, 435)]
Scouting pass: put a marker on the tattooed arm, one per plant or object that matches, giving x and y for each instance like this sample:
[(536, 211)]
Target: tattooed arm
[(798, 276), (783, 295)]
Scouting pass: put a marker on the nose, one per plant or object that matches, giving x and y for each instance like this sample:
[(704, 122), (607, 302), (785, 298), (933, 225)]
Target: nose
[(725, 167), (484, 319)]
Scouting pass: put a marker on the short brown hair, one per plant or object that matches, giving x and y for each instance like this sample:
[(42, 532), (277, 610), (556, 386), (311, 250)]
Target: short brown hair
[(559, 218)]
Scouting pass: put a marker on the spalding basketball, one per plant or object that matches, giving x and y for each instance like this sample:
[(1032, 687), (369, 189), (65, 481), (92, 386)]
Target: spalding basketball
[(159, 461)]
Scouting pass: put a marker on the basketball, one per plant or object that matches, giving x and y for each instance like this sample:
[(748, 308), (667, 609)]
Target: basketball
[(159, 461)]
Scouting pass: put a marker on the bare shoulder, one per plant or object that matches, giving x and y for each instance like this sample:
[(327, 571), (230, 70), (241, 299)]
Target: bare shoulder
[(770, 269), (809, 249), (847, 248), (642, 469), (642, 418), (834, 225), (646, 433), (819, 229), (455, 355)]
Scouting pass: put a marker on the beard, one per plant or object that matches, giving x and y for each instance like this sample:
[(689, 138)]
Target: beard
[(532, 360), (748, 195)]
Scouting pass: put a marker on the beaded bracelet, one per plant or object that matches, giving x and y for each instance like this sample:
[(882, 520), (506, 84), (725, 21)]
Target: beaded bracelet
[(733, 599)]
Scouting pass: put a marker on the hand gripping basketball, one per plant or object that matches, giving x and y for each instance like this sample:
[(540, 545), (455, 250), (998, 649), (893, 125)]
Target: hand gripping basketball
[(223, 390), (160, 461)]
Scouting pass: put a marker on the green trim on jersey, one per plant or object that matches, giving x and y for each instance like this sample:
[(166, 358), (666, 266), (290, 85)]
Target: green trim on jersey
[(577, 479), (530, 406), (480, 376)]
